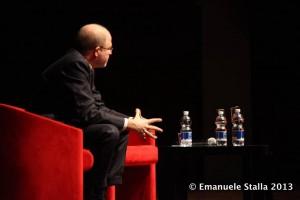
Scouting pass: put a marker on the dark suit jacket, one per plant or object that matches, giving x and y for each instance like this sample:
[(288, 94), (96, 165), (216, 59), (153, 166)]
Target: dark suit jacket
[(68, 91)]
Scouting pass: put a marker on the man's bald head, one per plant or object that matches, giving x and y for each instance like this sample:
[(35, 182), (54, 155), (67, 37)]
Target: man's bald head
[(90, 36)]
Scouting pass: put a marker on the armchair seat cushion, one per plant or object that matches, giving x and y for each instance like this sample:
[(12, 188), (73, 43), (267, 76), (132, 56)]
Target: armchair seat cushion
[(141, 155)]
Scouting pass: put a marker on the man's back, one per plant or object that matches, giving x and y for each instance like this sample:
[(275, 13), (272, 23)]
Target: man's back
[(67, 89)]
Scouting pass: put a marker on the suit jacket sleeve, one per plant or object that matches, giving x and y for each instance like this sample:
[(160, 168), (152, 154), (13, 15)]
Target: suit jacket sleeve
[(79, 84)]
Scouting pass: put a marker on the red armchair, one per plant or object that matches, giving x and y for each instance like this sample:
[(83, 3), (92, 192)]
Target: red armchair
[(44, 159), (40, 158)]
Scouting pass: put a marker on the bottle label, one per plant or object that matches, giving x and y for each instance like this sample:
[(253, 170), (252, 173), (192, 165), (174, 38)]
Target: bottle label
[(186, 135), (238, 135), (221, 135)]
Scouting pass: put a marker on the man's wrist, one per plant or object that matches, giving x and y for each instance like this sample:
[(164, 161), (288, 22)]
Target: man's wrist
[(126, 121)]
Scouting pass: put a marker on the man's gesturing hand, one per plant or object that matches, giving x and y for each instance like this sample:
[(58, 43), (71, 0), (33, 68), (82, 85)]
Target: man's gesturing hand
[(142, 125)]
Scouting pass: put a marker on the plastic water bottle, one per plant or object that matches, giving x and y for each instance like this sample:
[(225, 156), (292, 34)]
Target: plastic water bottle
[(186, 130), (221, 130), (238, 133)]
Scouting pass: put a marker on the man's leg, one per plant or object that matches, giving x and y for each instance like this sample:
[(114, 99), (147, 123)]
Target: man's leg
[(116, 168), (102, 140)]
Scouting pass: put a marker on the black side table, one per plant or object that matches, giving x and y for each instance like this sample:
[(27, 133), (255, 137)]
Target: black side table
[(178, 167)]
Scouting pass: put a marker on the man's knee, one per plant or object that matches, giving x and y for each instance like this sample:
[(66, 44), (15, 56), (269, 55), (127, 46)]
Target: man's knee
[(111, 131), (102, 132)]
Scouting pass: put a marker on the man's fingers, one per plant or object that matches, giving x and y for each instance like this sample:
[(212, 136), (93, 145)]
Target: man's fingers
[(154, 128), (153, 120), (150, 134)]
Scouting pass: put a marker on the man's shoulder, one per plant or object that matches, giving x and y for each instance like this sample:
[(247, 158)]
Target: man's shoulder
[(73, 56), (72, 60)]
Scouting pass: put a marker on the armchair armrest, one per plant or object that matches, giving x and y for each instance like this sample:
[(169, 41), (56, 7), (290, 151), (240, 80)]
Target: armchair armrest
[(136, 139)]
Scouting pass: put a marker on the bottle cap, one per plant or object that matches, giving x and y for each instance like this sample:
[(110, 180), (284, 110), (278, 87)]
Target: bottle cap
[(185, 112), (220, 111), (238, 110)]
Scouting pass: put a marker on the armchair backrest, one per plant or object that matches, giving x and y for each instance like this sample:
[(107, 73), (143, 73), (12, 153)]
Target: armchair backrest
[(40, 158)]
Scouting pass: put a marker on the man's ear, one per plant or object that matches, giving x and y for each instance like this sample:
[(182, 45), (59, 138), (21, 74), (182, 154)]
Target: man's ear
[(97, 51)]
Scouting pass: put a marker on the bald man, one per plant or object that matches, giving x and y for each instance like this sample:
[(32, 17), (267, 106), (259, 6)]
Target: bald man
[(69, 94)]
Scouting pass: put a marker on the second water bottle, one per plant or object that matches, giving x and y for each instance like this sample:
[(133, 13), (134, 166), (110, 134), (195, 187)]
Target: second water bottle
[(221, 130)]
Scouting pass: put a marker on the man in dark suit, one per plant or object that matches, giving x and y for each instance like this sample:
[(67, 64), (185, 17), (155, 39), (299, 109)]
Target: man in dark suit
[(69, 93)]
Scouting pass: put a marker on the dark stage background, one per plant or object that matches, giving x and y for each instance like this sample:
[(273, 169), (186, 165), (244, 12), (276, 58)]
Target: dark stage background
[(168, 57), (156, 62)]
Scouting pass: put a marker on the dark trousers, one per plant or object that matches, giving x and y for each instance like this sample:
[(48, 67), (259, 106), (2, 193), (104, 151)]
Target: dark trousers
[(108, 146)]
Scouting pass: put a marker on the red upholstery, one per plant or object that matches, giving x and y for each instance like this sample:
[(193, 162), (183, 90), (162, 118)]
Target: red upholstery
[(111, 193), (139, 179), (44, 159), (88, 160), (141, 155), (40, 158)]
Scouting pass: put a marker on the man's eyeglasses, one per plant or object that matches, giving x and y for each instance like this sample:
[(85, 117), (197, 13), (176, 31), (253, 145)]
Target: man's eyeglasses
[(107, 48)]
